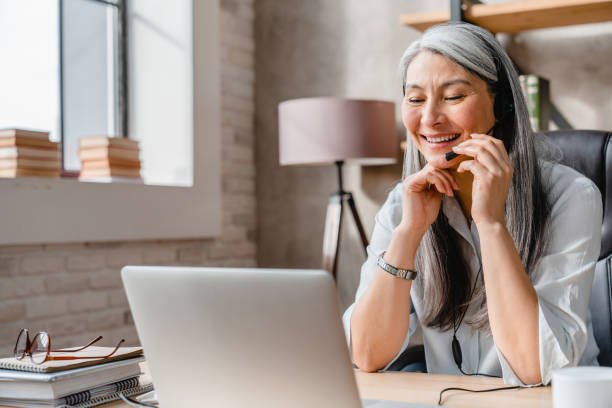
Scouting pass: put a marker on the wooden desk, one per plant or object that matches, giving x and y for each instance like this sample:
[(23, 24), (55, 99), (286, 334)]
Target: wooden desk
[(425, 389)]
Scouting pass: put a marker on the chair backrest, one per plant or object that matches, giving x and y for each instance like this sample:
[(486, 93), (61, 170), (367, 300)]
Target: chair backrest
[(590, 153)]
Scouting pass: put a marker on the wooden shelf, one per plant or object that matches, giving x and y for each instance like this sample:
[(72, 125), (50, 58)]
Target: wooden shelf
[(520, 15)]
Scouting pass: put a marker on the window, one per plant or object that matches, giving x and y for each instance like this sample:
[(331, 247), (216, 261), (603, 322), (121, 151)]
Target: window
[(68, 71), (92, 73)]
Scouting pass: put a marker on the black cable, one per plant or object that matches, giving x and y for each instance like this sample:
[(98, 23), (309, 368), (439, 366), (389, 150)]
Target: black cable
[(455, 346), (514, 387)]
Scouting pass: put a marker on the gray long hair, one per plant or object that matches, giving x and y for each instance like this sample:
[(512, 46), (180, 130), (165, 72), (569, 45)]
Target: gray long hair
[(445, 283)]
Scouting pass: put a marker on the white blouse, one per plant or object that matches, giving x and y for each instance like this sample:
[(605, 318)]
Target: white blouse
[(563, 281)]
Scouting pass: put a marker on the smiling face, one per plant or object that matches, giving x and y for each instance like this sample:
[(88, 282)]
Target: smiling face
[(444, 103)]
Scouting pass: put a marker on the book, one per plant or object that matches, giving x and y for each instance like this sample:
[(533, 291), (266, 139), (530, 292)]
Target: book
[(110, 172), (29, 385), (11, 363), (109, 163), (89, 398), (537, 96), (12, 152), (21, 172), (28, 133), (25, 163), (103, 153), (105, 141), (27, 141)]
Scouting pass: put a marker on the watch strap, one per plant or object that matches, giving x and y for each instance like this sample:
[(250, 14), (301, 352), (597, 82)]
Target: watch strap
[(406, 274)]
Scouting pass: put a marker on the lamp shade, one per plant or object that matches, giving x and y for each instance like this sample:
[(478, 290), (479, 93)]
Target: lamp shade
[(327, 130)]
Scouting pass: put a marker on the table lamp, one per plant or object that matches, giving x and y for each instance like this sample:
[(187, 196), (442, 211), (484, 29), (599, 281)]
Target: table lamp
[(324, 131)]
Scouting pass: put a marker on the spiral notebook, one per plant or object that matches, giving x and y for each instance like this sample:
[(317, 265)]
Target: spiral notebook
[(89, 398), (11, 363)]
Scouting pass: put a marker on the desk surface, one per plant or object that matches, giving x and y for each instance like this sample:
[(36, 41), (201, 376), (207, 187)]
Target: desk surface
[(425, 389)]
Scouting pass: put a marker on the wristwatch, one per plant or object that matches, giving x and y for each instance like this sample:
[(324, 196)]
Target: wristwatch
[(407, 274)]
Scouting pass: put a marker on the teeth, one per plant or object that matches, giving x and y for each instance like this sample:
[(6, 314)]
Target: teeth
[(442, 139)]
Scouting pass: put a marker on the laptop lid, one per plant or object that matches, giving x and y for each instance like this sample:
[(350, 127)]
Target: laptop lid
[(233, 337)]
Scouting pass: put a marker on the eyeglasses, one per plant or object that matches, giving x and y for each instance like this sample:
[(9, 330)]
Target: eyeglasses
[(39, 348)]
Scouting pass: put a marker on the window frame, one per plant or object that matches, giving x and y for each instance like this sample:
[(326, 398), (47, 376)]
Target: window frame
[(38, 211), (122, 105)]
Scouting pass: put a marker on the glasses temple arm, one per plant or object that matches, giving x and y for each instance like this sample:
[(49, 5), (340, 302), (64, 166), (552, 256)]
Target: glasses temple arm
[(84, 357), (82, 348)]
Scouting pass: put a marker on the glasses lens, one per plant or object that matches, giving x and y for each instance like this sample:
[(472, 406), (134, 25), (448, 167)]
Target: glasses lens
[(40, 347), (22, 343)]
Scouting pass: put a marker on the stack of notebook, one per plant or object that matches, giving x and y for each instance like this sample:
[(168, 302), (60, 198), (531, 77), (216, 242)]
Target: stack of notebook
[(28, 153), (72, 383), (109, 157)]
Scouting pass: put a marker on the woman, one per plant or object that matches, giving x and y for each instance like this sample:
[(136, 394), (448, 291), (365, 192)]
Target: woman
[(501, 244)]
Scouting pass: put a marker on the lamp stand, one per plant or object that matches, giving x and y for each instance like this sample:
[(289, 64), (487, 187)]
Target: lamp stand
[(333, 224)]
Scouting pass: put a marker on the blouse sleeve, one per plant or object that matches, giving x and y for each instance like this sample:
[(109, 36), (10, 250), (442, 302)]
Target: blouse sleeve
[(386, 219), (563, 279)]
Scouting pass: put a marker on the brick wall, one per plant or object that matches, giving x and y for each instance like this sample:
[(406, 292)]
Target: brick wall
[(74, 291)]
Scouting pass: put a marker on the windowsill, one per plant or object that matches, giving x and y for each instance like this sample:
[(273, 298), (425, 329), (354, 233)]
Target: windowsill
[(36, 210)]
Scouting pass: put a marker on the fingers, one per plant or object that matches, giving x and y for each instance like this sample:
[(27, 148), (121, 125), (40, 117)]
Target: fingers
[(489, 152), (429, 176), (441, 183), (478, 141)]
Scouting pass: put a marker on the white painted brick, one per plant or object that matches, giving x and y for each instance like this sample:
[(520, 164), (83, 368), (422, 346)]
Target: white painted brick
[(46, 306), (233, 40), (39, 264), (238, 89), (239, 185), (238, 104), (9, 333), (21, 286), (233, 233), (123, 257), (65, 283), (242, 58), (159, 255), (238, 153), (128, 333), (8, 266), (85, 262), (219, 251), (237, 73), (59, 326), (246, 12), (244, 249), (105, 279), (246, 170), (239, 120), (190, 255), (107, 319), (239, 202), (11, 311), (117, 298), (87, 301), (21, 250)]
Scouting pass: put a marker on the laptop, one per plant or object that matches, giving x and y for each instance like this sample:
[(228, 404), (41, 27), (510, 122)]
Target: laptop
[(237, 337)]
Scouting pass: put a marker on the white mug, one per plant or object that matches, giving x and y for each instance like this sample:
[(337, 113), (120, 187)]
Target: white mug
[(585, 386)]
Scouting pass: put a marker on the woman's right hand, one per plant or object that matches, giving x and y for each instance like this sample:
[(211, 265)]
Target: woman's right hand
[(422, 196)]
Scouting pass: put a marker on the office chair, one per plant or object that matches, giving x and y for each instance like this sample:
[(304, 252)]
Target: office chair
[(590, 153)]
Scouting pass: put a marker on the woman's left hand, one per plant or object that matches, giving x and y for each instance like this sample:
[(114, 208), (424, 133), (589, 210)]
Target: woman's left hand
[(492, 172)]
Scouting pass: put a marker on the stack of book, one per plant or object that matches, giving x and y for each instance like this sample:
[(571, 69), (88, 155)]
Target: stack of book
[(109, 158), (28, 153), (72, 383)]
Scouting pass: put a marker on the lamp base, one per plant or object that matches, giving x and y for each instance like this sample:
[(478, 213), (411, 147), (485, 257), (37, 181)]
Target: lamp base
[(333, 224)]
